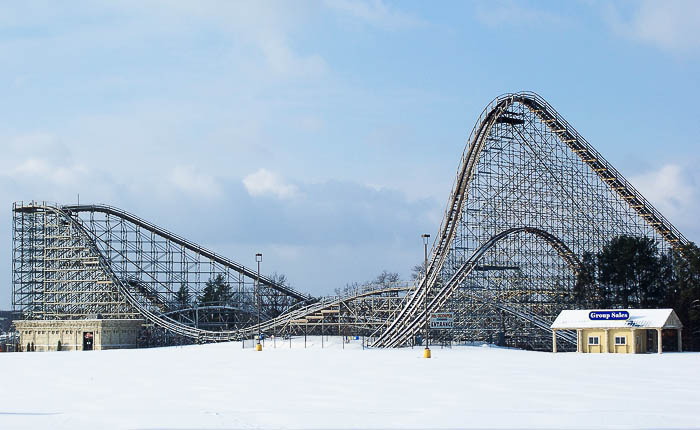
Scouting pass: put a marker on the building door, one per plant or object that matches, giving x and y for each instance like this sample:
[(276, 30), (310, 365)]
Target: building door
[(87, 341), (638, 344)]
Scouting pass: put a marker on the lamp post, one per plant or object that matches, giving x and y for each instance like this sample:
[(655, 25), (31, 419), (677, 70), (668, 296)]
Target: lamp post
[(426, 351), (258, 259)]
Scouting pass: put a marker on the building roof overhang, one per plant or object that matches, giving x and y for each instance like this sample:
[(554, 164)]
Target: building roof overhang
[(638, 318)]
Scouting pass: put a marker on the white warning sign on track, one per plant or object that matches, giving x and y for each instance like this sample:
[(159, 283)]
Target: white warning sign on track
[(442, 320)]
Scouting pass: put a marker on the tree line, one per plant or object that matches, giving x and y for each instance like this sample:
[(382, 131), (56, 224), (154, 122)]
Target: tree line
[(385, 279), (631, 272), (218, 291)]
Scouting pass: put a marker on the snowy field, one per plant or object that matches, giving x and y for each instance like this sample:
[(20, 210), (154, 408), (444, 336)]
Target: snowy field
[(223, 386)]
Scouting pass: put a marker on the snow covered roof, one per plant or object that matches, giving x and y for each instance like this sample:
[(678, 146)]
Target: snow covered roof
[(615, 318)]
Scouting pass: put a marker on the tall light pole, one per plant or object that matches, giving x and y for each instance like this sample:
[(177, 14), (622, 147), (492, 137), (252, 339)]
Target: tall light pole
[(426, 351), (258, 259)]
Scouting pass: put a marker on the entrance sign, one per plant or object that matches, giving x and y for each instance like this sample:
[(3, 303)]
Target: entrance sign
[(608, 315), (442, 320)]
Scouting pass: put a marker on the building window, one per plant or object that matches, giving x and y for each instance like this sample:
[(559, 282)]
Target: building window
[(593, 340), (620, 340)]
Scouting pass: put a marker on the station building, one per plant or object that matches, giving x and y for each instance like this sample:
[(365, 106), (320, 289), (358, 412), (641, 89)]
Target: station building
[(77, 335), (626, 331)]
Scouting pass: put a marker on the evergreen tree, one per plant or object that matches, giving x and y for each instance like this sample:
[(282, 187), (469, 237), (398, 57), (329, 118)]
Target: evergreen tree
[(586, 294), (630, 269), (684, 296), (208, 293), (182, 297), (224, 292), (216, 290)]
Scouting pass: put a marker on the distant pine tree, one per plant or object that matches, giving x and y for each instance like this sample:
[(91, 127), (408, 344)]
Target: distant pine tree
[(684, 296), (224, 292), (182, 297), (215, 290), (630, 268), (586, 294)]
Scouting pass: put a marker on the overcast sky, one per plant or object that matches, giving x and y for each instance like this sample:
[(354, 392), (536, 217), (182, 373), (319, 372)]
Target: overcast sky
[(326, 134)]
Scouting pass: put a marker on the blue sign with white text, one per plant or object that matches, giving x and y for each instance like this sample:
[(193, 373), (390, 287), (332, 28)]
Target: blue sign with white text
[(608, 315)]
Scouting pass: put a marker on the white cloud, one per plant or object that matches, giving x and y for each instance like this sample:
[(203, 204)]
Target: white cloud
[(43, 170), (34, 145), (376, 13), (265, 182), (672, 190), (191, 181), (670, 25)]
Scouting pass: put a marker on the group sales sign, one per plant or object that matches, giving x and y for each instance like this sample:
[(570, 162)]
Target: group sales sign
[(608, 315)]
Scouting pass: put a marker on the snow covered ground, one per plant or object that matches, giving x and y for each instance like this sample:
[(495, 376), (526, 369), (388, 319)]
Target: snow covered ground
[(223, 386)]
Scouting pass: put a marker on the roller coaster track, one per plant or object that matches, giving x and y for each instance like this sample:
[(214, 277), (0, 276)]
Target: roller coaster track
[(411, 318), (188, 245), (498, 112), (315, 308), (148, 293), (159, 319), (127, 288)]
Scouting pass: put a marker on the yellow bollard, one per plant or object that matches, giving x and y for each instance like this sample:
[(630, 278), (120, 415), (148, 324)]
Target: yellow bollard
[(426, 353), (258, 347)]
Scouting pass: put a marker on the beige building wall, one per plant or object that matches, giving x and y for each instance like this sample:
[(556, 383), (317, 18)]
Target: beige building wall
[(45, 335), (594, 333), (640, 341)]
